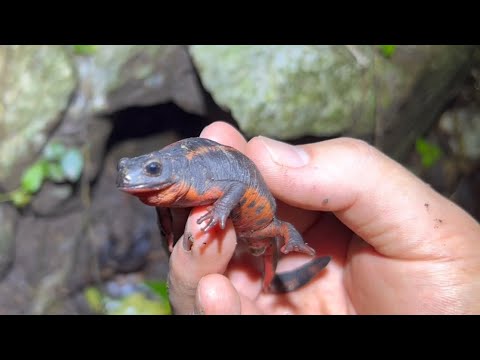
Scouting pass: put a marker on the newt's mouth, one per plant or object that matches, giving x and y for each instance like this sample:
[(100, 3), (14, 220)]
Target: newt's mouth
[(125, 183), (141, 188)]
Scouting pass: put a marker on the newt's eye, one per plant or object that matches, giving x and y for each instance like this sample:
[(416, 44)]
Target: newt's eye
[(153, 168)]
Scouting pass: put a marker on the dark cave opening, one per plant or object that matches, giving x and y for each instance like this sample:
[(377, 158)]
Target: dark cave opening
[(139, 122)]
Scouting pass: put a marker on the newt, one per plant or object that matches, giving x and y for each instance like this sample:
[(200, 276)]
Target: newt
[(196, 172)]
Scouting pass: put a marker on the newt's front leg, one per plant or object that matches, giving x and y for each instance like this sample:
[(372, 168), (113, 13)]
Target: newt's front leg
[(221, 209)]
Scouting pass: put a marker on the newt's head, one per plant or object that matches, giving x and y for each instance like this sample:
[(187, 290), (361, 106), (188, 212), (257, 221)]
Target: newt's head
[(146, 173)]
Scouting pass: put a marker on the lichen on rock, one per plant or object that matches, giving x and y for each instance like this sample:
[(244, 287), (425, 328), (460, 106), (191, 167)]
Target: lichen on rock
[(36, 83), (288, 91)]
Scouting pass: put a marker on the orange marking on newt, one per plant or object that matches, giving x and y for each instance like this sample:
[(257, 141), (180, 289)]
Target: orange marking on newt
[(200, 151), (254, 209), (164, 197), (193, 196)]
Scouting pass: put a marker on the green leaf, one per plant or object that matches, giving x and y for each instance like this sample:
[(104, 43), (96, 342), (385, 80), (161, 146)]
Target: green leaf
[(32, 178), (387, 50), (72, 164), (85, 49), (53, 151), (94, 298), (20, 198), (160, 288), (54, 172), (429, 153)]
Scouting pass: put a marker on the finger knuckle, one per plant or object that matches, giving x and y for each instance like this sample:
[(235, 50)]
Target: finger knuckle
[(357, 148)]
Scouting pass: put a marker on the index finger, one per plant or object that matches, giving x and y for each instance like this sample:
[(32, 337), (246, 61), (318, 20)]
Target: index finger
[(224, 134), (197, 254)]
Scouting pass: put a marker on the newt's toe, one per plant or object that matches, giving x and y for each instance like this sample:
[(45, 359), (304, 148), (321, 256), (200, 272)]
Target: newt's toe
[(296, 247)]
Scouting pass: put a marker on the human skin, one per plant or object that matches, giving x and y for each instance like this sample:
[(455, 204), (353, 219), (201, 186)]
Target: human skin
[(397, 246)]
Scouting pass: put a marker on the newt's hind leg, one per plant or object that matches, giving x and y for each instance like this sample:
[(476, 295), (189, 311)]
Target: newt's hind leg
[(266, 247), (293, 241), (269, 266)]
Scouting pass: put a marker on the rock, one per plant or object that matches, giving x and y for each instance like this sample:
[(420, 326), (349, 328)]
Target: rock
[(285, 91), (293, 91), (44, 254), (463, 128), (467, 193), (438, 74), (36, 84), (50, 198), (119, 76), (99, 130), (8, 224)]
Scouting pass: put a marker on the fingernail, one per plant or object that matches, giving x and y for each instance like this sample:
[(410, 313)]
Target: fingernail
[(204, 130), (187, 241), (285, 154)]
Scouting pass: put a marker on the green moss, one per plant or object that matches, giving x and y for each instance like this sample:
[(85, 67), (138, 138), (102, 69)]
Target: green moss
[(94, 299), (387, 50), (35, 87), (85, 49), (429, 153)]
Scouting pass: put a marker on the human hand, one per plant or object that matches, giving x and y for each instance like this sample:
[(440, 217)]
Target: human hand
[(397, 246)]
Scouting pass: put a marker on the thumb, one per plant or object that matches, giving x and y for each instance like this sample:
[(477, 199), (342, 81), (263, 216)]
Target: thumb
[(217, 296), (377, 198)]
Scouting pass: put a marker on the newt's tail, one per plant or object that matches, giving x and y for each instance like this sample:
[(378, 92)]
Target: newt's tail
[(295, 279)]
